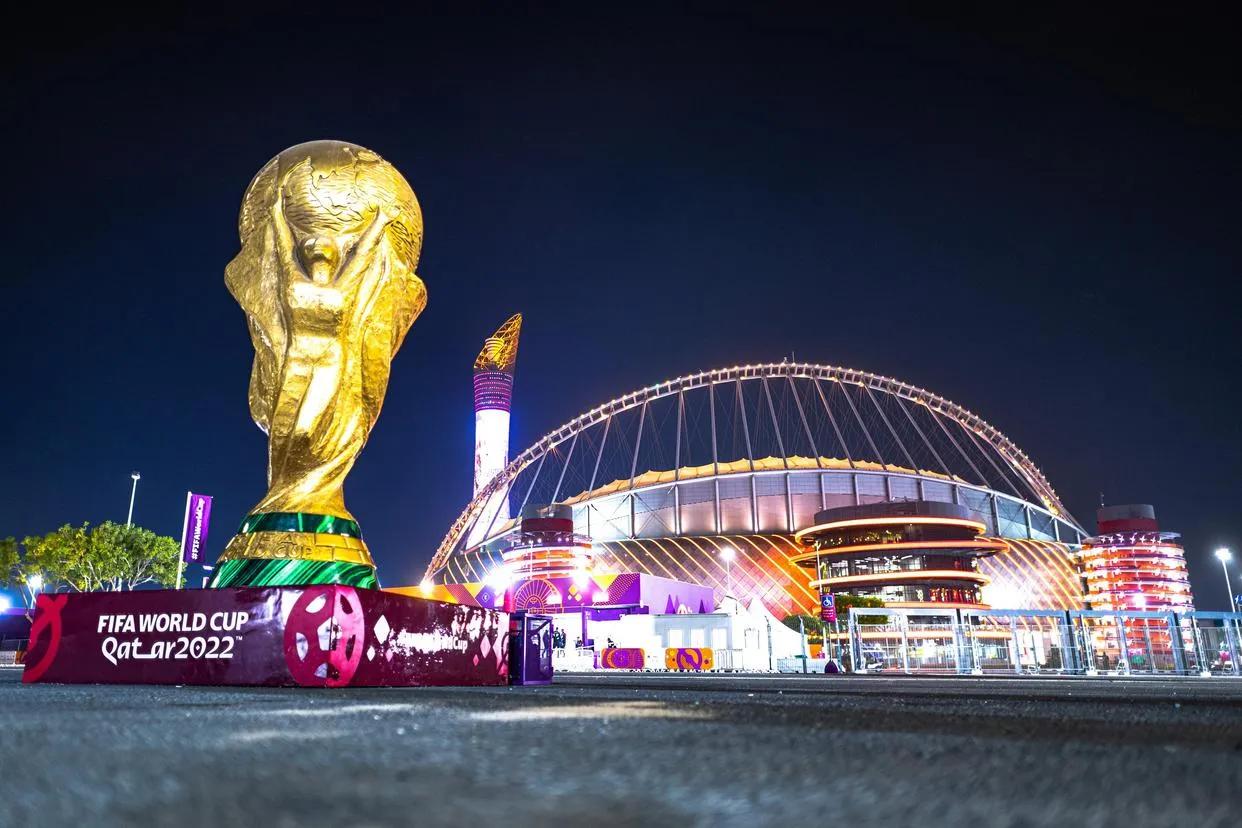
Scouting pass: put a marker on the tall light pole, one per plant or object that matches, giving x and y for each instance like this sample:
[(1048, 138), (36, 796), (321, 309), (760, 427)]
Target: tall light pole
[(1224, 555), (729, 553), (129, 521), (34, 583)]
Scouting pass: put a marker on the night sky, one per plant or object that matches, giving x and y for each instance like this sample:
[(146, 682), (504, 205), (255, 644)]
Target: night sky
[(1035, 218)]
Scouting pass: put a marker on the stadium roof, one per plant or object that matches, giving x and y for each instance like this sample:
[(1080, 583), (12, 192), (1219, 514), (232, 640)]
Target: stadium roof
[(756, 418)]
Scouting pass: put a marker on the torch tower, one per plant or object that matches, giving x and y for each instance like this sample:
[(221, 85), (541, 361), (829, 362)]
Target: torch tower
[(493, 396)]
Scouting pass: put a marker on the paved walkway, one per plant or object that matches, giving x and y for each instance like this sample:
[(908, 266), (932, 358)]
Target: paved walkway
[(629, 749)]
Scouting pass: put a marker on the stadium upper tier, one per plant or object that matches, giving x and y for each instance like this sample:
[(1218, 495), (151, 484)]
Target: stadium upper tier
[(760, 449)]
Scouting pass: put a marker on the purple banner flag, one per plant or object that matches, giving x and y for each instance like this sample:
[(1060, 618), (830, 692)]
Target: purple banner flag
[(194, 532)]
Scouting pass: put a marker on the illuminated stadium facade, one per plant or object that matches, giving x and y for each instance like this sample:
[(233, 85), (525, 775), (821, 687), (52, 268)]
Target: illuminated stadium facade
[(667, 477)]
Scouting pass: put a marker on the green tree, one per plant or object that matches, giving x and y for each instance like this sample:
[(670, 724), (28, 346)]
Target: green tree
[(11, 574), (107, 558), (61, 558), (845, 601), (815, 627), (10, 561), (131, 556)]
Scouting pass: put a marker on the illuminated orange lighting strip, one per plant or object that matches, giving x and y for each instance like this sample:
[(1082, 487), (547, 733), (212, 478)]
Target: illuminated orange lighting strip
[(715, 573), (1037, 564), (808, 599), (753, 570), (1070, 583), (547, 547), (747, 565), (981, 543), (788, 581), (677, 560), (906, 575), (684, 559), (621, 550), (1005, 568), (1034, 562), (794, 548), (1061, 554), (1027, 561), (648, 568), (741, 572), (545, 555), (1000, 634), (616, 553), (1096, 559), (765, 566), (1053, 576), (792, 572), (1064, 558), (889, 521), (607, 559), (895, 636)]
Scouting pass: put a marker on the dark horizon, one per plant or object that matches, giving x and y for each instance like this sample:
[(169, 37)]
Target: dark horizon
[(1035, 219)]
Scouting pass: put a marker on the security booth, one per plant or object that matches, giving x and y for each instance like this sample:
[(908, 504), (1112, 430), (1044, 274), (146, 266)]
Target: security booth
[(530, 648)]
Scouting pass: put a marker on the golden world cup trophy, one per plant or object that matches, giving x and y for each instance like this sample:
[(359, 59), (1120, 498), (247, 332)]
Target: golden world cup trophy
[(330, 236)]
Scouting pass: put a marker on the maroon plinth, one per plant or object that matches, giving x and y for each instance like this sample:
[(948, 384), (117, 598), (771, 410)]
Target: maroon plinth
[(317, 636)]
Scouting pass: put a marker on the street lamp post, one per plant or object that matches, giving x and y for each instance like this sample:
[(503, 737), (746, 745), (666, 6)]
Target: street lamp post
[(35, 583), (729, 553), (1224, 556), (129, 521)]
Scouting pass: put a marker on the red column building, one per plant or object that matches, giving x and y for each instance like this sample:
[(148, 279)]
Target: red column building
[(1132, 565)]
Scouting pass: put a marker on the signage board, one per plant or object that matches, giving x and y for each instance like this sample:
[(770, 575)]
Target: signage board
[(194, 530), (828, 607)]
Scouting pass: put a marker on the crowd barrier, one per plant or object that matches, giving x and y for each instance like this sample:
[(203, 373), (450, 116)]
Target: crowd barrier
[(1054, 642), (689, 659), (673, 659)]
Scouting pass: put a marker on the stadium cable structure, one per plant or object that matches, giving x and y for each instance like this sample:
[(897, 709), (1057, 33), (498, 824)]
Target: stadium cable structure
[(759, 449)]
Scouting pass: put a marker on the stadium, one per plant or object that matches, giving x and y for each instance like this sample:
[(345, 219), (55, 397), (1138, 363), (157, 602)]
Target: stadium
[(709, 479)]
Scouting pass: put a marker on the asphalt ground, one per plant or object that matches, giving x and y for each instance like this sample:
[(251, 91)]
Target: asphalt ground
[(629, 749)]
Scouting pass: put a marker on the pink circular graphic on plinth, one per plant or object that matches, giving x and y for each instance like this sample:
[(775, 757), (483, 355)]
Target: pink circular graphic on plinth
[(46, 620), (335, 665)]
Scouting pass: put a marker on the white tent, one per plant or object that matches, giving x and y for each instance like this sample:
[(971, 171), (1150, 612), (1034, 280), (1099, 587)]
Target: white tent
[(741, 637)]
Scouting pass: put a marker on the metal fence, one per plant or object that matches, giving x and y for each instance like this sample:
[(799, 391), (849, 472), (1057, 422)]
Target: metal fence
[(1044, 642)]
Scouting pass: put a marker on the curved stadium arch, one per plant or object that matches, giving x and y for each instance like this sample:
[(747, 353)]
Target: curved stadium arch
[(666, 476)]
